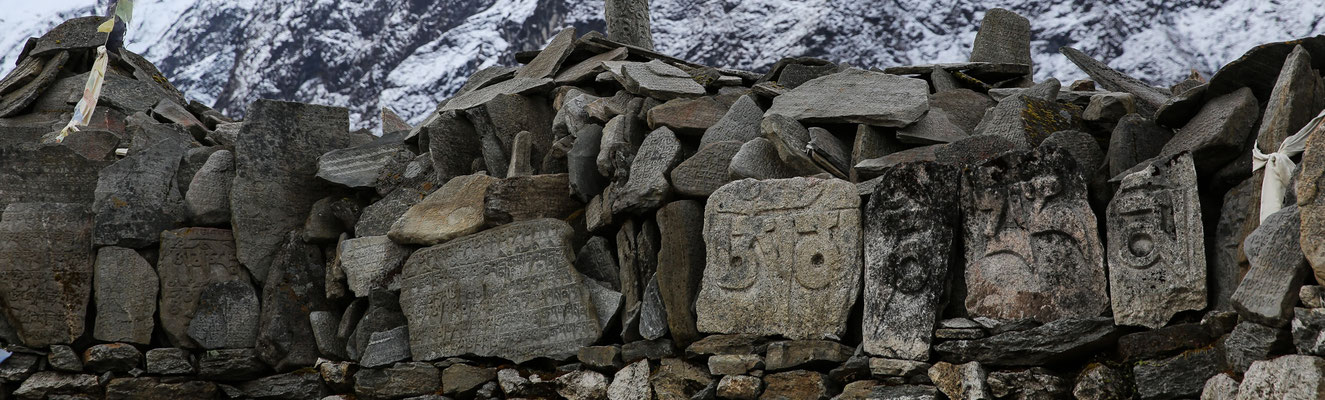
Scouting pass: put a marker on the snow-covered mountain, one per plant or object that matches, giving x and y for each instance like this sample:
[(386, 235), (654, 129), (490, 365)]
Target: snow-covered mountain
[(410, 54)]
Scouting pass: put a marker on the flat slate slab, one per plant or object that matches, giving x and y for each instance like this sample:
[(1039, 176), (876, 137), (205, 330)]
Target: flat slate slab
[(47, 260), (508, 292), (783, 258), (895, 101), (126, 288)]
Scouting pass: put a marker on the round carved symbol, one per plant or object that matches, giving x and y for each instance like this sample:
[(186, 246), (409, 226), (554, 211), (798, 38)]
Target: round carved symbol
[(816, 267), (739, 274)]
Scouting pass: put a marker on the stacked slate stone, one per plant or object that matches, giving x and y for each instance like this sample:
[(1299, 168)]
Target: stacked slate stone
[(606, 222)]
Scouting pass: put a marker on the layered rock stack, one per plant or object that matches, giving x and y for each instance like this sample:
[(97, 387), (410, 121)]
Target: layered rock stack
[(606, 222)]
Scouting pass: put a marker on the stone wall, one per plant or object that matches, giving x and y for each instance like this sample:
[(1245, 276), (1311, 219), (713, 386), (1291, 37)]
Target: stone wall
[(605, 222)]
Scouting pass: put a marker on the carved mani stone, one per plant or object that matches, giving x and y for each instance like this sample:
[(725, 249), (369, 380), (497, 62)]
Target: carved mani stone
[(126, 288), (508, 292), (1032, 246), (1156, 249), (46, 261), (783, 258), (192, 259), (910, 224), (1004, 37)]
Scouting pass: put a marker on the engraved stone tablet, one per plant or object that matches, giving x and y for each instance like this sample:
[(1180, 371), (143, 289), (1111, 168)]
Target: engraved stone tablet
[(46, 262), (1004, 37), (895, 101), (126, 288), (1156, 254), (360, 166), (508, 292), (137, 197), (783, 258), (1032, 247), (275, 169), (371, 263), (192, 259), (49, 173), (910, 227), (227, 316)]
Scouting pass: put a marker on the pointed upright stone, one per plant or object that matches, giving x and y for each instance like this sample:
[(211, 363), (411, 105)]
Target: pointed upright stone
[(1217, 134), (740, 123), (125, 289), (647, 187), (137, 196), (293, 289), (1310, 180), (706, 171), (780, 245), (1270, 288), (275, 173), (910, 231), (208, 197), (1004, 37), (1135, 139), (520, 155), (454, 146), (628, 22), (1156, 245), (191, 259), (46, 258), (681, 266), (1032, 242)]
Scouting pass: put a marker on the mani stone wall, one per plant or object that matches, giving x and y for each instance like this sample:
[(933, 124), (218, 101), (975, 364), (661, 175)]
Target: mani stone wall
[(607, 222)]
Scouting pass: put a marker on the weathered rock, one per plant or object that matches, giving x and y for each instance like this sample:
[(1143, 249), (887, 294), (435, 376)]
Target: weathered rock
[(805, 353), (647, 350), (521, 147), (529, 197), (454, 210), (226, 316), (534, 253), (961, 382), (402, 380), (377, 218), (1312, 296), (681, 265), (208, 197), (1298, 95), (807, 385), (169, 361), (18, 367), (1220, 387), (910, 228), (372, 263), (39, 72), (125, 288), (453, 145), (1109, 107), (898, 101), (1287, 377), (659, 80), (871, 143), (689, 116), (275, 174), (359, 167), (230, 365), (740, 123), (302, 384), (1135, 139), (293, 288), (159, 389), (383, 314), (759, 159), (137, 197), (1216, 134), (63, 358), (647, 187), (46, 257), (734, 364), (1026, 120), (628, 23), (1250, 342), (1182, 376), (326, 325), (582, 385), (590, 67), (1034, 383), (112, 357), (935, 127), (1060, 340), (1148, 98), (548, 61), (828, 152), (652, 315), (582, 164), (462, 378), (676, 379), (907, 369), (1311, 175), (385, 348), (1032, 248), (1308, 329), (631, 383), (738, 344), (1165, 342), (47, 384), (748, 287), (1269, 290), (706, 171), (603, 358), (739, 387), (1102, 382), (1156, 250)]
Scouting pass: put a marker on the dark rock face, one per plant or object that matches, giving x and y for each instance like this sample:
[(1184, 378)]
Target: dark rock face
[(293, 289), (45, 249), (1050, 343)]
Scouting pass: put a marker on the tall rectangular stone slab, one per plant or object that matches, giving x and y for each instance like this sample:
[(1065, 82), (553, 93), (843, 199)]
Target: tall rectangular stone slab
[(190, 260), (46, 261), (275, 173), (126, 288), (1156, 245), (681, 265), (1004, 37), (1032, 243), (783, 258), (292, 291), (508, 292), (910, 231)]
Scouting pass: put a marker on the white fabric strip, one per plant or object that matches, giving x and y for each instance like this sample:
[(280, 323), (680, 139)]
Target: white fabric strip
[(1279, 166)]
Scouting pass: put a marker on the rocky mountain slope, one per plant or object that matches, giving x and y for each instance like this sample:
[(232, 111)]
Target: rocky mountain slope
[(409, 54)]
